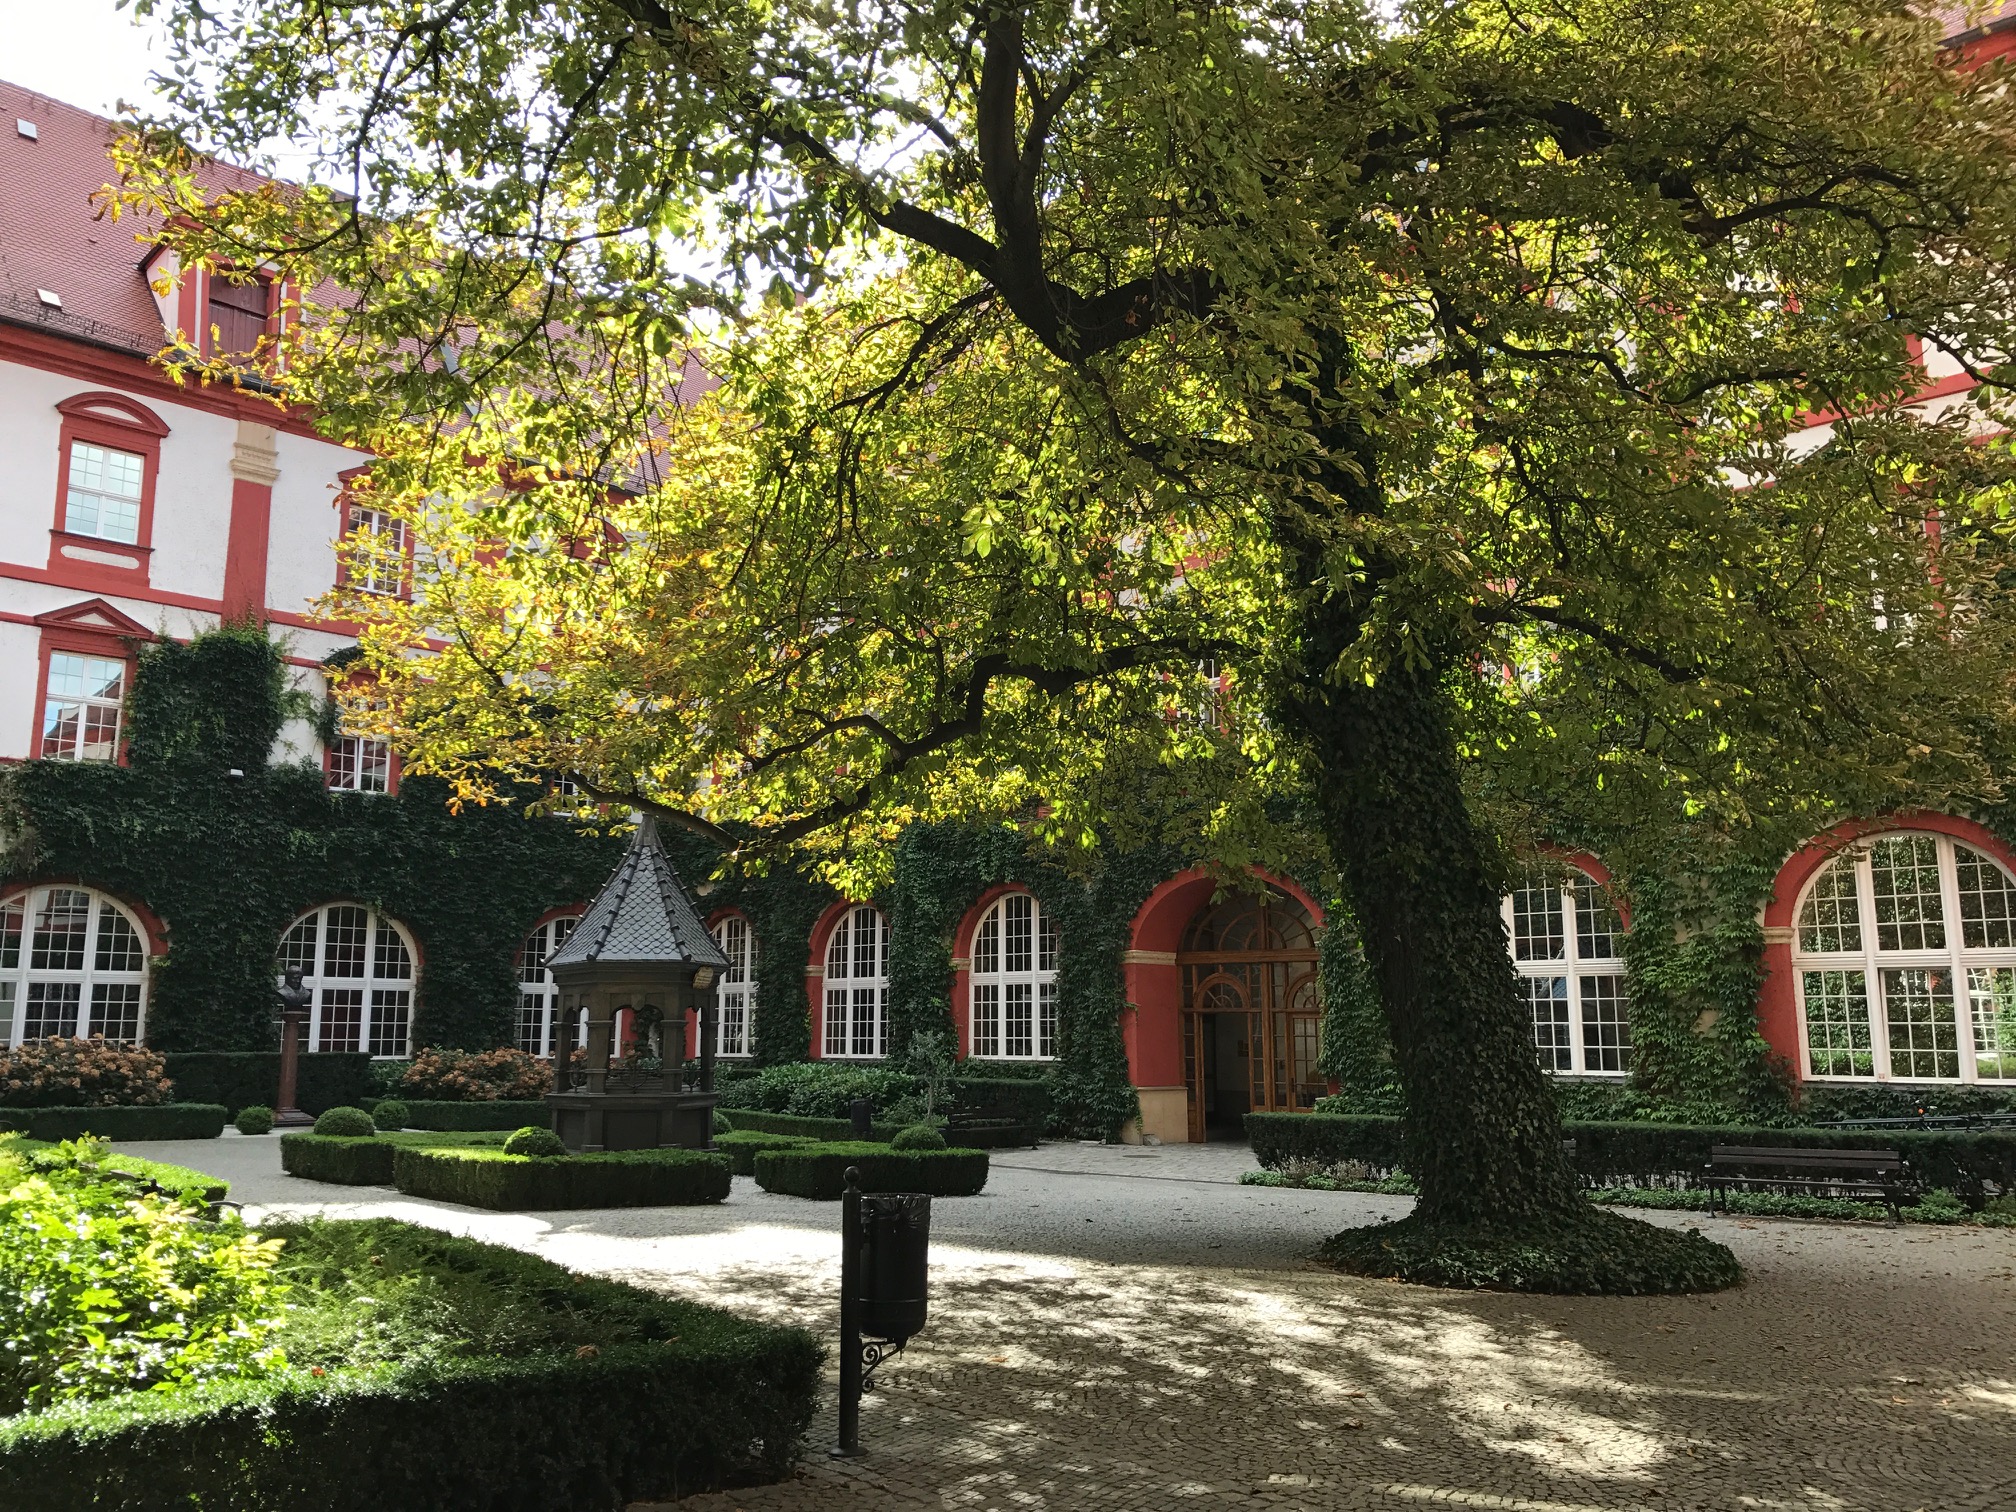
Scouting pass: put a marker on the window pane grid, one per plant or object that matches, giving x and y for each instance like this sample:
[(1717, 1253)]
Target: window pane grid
[(1891, 1011), (359, 970), (856, 987), (103, 495), (537, 994), (735, 997), (360, 765), (81, 709), (1581, 1019), (72, 964), (1013, 982)]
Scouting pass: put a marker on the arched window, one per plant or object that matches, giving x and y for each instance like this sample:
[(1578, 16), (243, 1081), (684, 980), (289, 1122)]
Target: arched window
[(1905, 955), (857, 985), (538, 998), (359, 965), (735, 996), (1015, 982), (72, 963), (1567, 945)]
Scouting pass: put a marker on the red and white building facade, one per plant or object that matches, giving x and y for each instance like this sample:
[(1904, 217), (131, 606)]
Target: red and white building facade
[(136, 508)]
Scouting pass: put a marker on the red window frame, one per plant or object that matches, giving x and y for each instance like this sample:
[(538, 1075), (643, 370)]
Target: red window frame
[(113, 421), (89, 629)]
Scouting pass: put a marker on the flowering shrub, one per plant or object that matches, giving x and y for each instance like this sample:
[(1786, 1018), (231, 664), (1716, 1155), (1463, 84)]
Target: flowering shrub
[(476, 1076), (82, 1073), (104, 1290)]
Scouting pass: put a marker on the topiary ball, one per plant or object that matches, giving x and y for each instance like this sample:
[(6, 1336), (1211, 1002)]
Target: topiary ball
[(391, 1114), (532, 1140), (255, 1121), (918, 1137), (346, 1123)]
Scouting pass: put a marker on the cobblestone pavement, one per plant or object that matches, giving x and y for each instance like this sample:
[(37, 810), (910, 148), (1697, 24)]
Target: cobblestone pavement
[(1118, 1330)]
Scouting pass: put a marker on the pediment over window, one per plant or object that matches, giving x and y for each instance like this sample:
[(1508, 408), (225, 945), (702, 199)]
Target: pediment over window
[(113, 409), (95, 616)]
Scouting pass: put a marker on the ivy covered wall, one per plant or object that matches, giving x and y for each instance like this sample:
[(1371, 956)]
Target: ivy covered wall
[(227, 863)]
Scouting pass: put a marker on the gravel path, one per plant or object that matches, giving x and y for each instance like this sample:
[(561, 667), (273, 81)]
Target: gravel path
[(1129, 1328)]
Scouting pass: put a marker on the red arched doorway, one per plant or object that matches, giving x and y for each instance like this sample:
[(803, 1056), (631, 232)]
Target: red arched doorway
[(1252, 1013)]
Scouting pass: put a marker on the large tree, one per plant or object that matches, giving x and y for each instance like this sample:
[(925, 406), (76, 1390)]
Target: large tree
[(1445, 376)]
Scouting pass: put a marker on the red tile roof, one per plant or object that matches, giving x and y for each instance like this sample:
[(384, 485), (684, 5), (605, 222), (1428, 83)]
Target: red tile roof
[(1962, 18), (50, 234)]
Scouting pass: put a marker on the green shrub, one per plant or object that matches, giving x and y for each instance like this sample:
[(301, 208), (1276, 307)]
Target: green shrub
[(390, 1113), (535, 1141), (105, 1290), (161, 1121), (22, 1156), (742, 1147), (918, 1137), (820, 1170), (255, 1120), (506, 1075), (82, 1073), (346, 1123), (1009, 1099), (1648, 1154), (338, 1159), (489, 1178), (719, 1123), (496, 1115), (546, 1391), (804, 1128), (243, 1078), (816, 1089)]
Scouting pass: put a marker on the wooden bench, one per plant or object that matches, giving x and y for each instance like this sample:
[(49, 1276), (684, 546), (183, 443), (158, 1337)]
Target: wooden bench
[(1881, 1174)]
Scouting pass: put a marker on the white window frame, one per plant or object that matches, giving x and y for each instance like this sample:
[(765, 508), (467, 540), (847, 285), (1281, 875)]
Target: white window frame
[(375, 558), (1870, 962), (1584, 984), (112, 975), (385, 996), (856, 1017), (1012, 976), (735, 990), (82, 707), (538, 994), (359, 764), (101, 501)]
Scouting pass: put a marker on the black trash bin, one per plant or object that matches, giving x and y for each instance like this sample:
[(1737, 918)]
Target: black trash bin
[(895, 1263), (861, 1113)]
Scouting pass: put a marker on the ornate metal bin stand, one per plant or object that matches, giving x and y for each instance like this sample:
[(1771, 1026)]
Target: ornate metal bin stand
[(885, 1285), (641, 949)]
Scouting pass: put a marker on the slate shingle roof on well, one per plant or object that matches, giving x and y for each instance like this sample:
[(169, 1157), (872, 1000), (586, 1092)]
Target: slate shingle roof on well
[(642, 915)]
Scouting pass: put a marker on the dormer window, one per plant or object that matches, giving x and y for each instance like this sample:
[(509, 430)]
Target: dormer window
[(238, 315)]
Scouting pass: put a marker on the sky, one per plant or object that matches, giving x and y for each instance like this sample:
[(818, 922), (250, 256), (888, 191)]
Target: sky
[(82, 52)]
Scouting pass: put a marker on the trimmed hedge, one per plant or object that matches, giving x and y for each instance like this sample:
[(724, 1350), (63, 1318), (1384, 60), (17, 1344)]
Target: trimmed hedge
[(431, 1113), (701, 1399), (342, 1162), (1012, 1100), (829, 1129), (198, 1188), (820, 1170), (742, 1147), (251, 1078), (488, 1178), (1961, 1160), (163, 1121), (992, 1134)]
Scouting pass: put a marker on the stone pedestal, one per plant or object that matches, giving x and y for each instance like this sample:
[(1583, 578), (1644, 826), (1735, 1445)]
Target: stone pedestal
[(590, 1121)]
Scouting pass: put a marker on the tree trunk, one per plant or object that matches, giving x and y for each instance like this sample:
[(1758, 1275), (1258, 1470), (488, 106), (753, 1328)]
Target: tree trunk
[(1483, 1136)]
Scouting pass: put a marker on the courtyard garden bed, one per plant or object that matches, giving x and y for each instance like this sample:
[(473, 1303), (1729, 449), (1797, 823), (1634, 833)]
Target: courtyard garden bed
[(500, 1114), (486, 1176), (154, 1122), (820, 1170), (364, 1160), (743, 1146), (369, 1365)]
